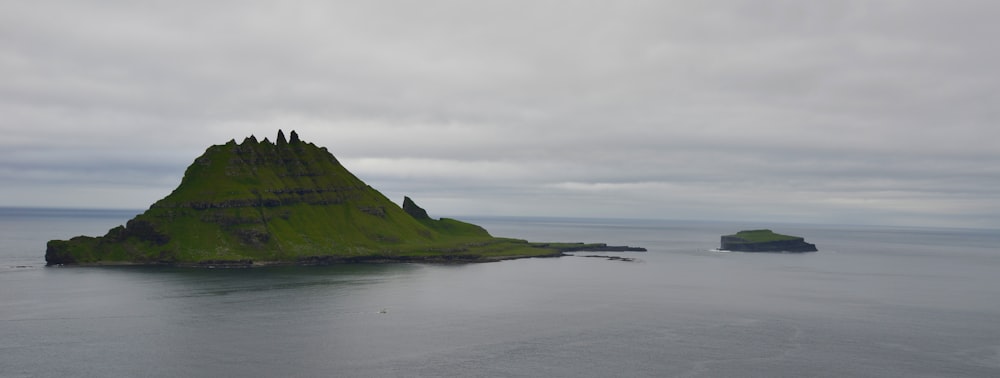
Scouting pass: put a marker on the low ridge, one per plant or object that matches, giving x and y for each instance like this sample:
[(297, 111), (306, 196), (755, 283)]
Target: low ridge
[(287, 202)]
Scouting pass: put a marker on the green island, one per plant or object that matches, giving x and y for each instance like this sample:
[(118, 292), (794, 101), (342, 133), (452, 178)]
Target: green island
[(764, 241), (288, 202)]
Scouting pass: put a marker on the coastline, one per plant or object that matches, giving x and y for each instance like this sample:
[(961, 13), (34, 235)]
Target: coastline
[(560, 250)]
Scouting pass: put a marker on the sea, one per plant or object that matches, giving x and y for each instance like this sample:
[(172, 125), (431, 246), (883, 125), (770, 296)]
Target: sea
[(873, 302)]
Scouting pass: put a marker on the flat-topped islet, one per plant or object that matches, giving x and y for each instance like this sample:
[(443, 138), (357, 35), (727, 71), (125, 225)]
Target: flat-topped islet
[(764, 241)]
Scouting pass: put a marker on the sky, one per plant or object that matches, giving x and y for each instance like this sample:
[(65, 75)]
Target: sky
[(832, 112)]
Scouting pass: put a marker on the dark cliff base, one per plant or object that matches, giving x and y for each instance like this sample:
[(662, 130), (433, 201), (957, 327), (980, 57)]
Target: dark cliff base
[(556, 250), (783, 246)]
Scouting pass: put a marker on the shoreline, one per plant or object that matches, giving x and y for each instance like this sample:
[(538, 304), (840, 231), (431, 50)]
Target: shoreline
[(561, 250)]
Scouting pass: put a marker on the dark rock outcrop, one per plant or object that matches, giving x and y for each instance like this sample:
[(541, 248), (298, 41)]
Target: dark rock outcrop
[(415, 211), (612, 258), (281, 138)]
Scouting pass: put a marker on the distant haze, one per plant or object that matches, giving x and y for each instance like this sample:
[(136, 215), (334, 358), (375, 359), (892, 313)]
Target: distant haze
[(868, 112)]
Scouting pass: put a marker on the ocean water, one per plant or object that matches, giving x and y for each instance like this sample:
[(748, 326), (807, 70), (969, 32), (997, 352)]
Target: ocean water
[(873, 302)]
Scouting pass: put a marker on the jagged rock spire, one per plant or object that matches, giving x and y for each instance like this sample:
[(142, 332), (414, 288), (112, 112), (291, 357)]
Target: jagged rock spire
[(294, 137), (415, 211), (281, 138)]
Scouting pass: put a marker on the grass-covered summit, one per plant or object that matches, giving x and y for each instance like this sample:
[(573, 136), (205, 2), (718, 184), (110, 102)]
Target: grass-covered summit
[(289, 202)]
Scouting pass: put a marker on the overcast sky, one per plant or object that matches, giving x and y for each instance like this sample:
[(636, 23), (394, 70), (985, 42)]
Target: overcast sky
[(858, 112)]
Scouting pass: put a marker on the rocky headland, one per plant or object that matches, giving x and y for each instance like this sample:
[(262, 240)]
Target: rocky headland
[(288, 202), (764, 241)]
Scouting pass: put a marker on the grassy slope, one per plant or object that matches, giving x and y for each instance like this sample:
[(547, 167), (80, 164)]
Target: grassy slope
[(265, 202), (761, 236)]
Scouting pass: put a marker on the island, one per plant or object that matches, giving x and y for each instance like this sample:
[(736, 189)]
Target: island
[(764, 241), (288, 202)]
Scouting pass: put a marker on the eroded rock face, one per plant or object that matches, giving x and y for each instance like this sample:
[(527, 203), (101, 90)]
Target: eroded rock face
[(764, 241), (415, 211)]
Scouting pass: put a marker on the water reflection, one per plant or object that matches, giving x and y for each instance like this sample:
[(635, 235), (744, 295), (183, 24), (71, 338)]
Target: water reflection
[(892, 302)]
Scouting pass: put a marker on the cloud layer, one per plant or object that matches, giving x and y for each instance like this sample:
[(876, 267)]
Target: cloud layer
[(833, 112)]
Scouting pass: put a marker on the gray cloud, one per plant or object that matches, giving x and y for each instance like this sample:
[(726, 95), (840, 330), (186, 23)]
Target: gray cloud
[(847, 111)]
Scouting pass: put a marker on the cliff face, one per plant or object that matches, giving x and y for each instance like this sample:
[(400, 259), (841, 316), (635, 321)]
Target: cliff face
[(288, 201), (764, 241)]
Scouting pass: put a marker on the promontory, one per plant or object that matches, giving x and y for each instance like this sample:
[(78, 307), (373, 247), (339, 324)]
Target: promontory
[(287, 202), (764, 241)]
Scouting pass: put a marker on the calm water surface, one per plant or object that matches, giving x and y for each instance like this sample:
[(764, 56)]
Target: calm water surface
[(873, 302)]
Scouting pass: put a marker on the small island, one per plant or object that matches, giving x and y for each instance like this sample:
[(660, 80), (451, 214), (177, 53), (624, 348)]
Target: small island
[(764, 241), (288, 202)]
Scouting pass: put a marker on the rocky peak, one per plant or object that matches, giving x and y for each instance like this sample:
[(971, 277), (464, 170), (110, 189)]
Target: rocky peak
[(281, 138), (415, 211)]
